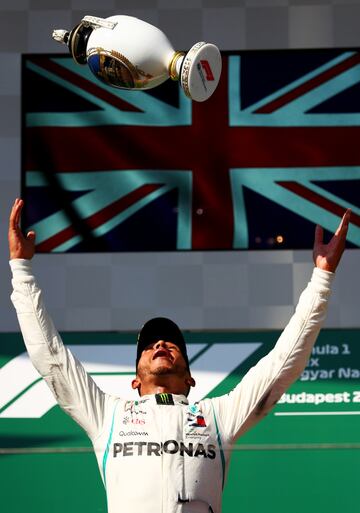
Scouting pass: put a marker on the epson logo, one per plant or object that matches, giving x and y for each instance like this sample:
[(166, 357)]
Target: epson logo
[(168, 447)]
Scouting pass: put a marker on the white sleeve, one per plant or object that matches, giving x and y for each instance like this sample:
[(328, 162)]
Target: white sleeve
[(264, 384), (74, 390)]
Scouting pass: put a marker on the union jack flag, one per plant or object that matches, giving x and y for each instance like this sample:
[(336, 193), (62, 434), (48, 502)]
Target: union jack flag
[(275, 150)]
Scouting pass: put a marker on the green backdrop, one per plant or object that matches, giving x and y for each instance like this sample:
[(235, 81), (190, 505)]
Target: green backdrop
[(304, 456)]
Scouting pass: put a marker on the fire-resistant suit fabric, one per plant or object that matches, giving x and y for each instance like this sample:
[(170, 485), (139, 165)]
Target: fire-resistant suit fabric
[(161, 454)]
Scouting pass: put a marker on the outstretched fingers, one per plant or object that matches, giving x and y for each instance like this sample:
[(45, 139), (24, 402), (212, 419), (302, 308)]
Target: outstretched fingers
[(15, 214), (327, 256), (344, 224), (19, 245)]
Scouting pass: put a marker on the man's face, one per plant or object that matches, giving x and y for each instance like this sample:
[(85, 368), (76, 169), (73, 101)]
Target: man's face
[(162, 366), (162, 357)]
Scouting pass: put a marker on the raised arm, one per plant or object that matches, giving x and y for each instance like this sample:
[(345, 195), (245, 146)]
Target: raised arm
[(73, 388), (265, 383)]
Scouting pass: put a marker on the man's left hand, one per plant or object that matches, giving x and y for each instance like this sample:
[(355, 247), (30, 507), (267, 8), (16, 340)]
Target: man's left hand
[(327, 256)]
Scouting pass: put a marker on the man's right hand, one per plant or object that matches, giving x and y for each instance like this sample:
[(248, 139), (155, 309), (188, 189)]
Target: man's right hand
[(19, 246)]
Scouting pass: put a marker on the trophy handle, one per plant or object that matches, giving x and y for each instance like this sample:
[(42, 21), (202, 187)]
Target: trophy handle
[(200, 71), (95, 22)]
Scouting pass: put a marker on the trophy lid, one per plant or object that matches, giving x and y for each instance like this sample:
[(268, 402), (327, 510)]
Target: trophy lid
[(201, 70)]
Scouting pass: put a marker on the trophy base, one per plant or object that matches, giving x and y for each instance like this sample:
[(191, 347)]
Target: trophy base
[(200, 71)]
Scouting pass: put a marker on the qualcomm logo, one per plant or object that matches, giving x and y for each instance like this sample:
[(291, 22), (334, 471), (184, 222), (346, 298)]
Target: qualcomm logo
[(23, 393)]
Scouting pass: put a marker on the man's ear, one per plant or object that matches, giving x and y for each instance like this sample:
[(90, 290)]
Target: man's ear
[(189, 381), (136, 383)]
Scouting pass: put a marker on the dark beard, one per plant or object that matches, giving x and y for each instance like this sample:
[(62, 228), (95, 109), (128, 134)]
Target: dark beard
[(163, 371)]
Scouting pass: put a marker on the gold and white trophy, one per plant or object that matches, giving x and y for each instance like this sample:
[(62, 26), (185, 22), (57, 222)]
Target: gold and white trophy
[(128, 53)]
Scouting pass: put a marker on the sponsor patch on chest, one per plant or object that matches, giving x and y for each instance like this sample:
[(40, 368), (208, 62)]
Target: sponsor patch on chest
[(195, 418)]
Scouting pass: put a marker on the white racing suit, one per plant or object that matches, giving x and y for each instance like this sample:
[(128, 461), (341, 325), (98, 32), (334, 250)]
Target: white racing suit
[(161, 454)]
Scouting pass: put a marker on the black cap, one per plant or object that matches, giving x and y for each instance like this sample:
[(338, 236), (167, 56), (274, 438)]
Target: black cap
[(161, 328)]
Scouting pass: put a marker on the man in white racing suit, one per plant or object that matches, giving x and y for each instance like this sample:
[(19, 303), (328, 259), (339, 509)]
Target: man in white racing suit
[(160, 454)]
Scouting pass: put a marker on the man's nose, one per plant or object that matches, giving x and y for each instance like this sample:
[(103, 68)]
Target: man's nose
[(160, 343)]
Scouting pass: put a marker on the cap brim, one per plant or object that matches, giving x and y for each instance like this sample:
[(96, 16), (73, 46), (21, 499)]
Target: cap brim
[(160, 328)]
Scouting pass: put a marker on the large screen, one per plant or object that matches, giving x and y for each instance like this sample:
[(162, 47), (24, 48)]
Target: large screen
[(273, 152)]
